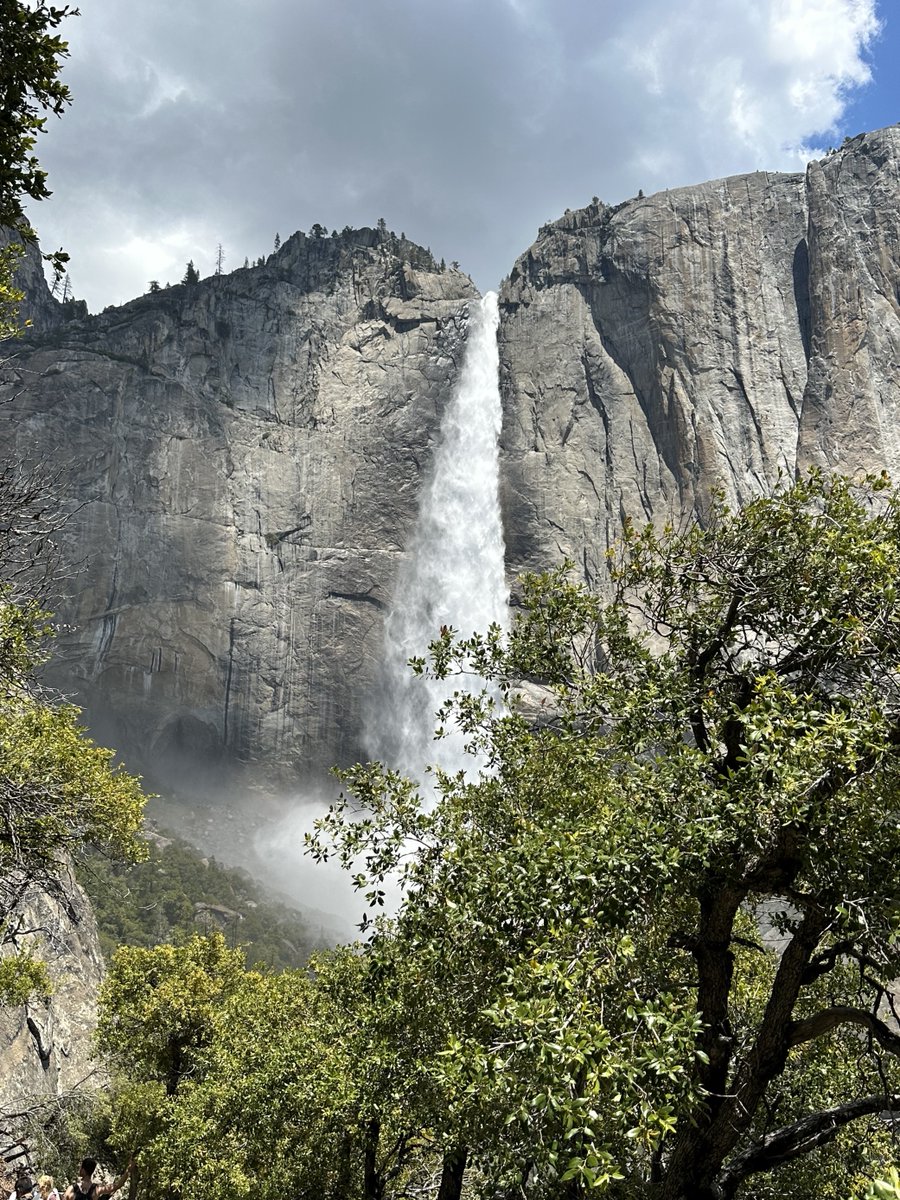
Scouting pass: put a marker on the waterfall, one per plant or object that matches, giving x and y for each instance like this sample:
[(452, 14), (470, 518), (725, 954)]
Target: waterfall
[(454, 572)]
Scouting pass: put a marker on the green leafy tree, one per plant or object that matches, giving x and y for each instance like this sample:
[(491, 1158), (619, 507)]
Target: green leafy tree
[(191, 274), (305, 1082), (158, 1014), (158, 1006), (268, 1108), (29, 88), (663, 919)]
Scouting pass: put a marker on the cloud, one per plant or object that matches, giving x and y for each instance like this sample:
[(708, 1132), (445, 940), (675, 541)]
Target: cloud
[(465, 124)]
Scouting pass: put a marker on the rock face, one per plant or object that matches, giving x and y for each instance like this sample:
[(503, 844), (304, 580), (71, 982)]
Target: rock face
[(711, 336), (244, 456), (45, 1044)]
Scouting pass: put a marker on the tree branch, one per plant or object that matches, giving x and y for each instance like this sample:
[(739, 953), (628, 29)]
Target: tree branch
[(792, 1141), (828, 960), (841, 1014)]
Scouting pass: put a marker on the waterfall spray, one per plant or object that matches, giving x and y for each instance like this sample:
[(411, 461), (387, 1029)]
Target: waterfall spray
[(454, 573)]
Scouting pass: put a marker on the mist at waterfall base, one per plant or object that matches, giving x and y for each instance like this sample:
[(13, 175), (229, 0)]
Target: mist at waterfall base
[(452, 576)]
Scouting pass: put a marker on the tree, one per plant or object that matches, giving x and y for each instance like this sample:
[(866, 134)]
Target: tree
[(300, 1082), (29, 87), (277, 241), (220, 258), (153, 286), (191, 274), (158, 1006), (663, 917)]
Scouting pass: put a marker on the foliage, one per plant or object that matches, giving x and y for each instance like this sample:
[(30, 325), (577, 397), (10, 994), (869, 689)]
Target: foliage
[(21, 977), (278, 1068), (721, 737), (10, 295), (239, 1073), (29, 87), (169, 895), (159, 1006), (292, 1083), (885, 1189), (57, 792)]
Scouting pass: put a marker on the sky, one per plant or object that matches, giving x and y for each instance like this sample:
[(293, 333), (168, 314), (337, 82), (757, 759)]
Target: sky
[(466, 124)]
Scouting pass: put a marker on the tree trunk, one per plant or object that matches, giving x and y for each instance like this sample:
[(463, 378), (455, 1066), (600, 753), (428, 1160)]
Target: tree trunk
[(452, 1173), (343, 1183), (694, 1169), (373, 1182)]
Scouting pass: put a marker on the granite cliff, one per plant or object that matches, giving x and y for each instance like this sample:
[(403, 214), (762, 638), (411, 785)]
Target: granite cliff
[(709, 336), (246, 454), (243, 456), (45, 1045)]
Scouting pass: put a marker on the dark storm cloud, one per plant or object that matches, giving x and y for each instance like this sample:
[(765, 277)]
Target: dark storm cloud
[(465, 124)]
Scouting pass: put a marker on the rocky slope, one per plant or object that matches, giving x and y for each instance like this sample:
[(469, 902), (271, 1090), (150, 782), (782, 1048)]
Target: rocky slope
[(709, 336), (244, 457), (45, 1044)]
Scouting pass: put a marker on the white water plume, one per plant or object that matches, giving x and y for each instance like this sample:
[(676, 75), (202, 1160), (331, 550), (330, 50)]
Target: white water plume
[(454, 573)]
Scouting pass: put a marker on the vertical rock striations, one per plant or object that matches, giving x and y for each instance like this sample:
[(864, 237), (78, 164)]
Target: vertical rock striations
[(244, 456), (710, 336), (851, 410)]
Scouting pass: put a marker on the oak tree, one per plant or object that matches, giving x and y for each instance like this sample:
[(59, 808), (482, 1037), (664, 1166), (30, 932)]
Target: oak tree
[(664, 913)]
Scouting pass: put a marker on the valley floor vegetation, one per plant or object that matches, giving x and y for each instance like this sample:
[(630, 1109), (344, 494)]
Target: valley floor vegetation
[(646, 949), (176, 892)]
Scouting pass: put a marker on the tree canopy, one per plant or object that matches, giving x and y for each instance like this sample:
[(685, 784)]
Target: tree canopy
[(665, 915), (646, 946)]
